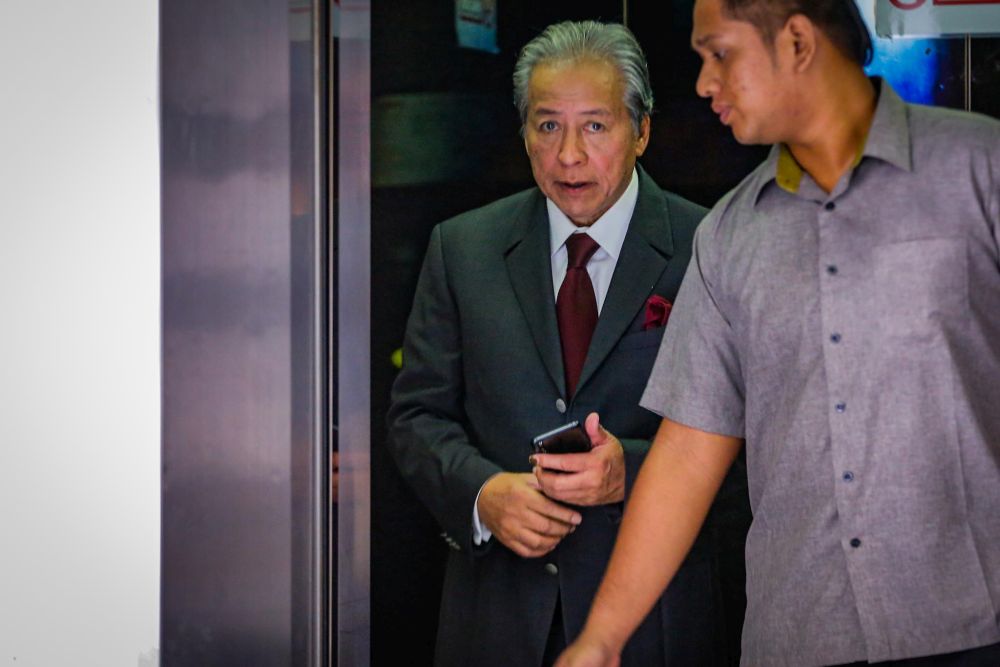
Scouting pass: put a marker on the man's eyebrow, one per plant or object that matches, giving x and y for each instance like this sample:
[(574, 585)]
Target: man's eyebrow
[(544, 111), (702, 41)]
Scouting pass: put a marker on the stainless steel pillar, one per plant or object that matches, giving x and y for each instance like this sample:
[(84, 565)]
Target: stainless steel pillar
[(246, 406), (351, 28)]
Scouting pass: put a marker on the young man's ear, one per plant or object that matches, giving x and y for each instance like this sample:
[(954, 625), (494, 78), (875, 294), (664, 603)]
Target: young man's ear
[(798, 36)]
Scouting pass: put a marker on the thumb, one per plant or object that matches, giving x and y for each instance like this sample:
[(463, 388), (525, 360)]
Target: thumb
[(598, 435)]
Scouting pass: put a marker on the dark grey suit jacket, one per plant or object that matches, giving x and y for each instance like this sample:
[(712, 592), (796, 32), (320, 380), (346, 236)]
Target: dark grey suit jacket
[(482, 374)]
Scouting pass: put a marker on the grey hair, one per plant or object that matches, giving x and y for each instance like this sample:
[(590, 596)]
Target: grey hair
[(571, 41)]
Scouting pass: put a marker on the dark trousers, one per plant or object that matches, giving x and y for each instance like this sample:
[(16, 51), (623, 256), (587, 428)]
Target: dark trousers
[(985, 656), (556, 642)]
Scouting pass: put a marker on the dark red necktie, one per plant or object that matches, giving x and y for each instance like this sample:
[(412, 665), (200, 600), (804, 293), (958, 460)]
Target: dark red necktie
[(576, 308)]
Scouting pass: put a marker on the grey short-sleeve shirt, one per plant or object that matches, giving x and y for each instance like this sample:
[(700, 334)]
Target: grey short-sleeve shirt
[(853, 339)]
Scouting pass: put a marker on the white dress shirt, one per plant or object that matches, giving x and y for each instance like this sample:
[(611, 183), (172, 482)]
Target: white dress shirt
[(609, 231)]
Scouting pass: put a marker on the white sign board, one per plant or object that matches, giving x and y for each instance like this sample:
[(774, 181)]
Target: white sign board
[(936, 18)]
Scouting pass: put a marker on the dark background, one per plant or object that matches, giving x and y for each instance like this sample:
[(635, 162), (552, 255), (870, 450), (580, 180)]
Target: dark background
[(445, 140)]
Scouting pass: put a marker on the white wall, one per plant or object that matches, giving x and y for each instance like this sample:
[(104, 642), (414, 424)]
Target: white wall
[(79, 333)]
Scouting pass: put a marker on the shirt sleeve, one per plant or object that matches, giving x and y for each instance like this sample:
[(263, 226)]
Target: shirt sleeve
[(697, 378), (480, 533), (994, 205)]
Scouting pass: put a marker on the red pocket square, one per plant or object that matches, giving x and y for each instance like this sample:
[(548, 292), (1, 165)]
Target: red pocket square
[(657, 312)]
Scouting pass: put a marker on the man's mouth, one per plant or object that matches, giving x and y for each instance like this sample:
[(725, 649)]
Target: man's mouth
[(723, 111), (573, 186)]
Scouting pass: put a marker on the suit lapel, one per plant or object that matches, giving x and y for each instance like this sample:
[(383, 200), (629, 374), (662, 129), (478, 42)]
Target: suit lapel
[(529, 266), (647, 248)]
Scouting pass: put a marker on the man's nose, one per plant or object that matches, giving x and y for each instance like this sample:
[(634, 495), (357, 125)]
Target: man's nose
[(571, 149), (707, 83)]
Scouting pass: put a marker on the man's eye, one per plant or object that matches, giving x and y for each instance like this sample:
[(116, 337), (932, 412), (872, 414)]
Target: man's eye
[(595, 127), (718, 55), (548, 126)]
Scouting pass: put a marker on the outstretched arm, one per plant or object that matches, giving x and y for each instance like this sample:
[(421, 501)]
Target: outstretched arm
[(672, 495)]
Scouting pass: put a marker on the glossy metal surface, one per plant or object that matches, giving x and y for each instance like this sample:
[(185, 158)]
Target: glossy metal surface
[(351, 27), (314, 579), (244, 486)]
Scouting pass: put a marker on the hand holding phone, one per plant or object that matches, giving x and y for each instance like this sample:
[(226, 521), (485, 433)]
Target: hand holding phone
[(594, 477), (570, 438)]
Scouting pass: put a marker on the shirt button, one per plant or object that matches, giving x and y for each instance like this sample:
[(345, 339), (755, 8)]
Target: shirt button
[(831, 269), (560, 406), (855, 542), (848, 476), (551, 568), (835, 338), (840, 407), (830, 206)]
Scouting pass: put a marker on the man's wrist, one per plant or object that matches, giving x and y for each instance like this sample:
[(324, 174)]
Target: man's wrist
[(597, 631), (480, 533)]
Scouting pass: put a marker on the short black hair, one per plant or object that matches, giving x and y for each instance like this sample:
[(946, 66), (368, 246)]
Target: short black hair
[(839, 20)]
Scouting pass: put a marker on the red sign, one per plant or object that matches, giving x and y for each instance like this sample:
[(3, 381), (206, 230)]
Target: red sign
[(914, 4)]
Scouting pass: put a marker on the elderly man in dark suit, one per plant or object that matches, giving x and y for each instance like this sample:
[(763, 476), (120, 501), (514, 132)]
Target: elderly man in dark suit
[(545, 307)]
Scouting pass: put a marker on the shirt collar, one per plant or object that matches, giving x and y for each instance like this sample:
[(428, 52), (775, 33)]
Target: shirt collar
[(609, 230), (889, 137), (888, 140)]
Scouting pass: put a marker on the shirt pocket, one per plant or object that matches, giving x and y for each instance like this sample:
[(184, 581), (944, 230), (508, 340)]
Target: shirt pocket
[(922, 287)]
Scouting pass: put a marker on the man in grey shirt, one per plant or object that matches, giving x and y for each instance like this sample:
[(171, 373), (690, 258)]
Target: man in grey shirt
[(841, 313)]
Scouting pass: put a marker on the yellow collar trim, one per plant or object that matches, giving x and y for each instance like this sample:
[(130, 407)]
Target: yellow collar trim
[(788, 173)]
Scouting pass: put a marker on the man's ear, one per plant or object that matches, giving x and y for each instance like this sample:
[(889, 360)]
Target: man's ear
[(642, 141), (798, 37)]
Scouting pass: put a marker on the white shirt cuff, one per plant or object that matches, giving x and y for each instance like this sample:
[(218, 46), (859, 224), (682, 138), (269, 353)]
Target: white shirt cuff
[(480, 533)]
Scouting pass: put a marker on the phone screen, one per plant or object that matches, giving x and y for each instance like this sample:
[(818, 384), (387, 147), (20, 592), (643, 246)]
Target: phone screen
[(568, 439)]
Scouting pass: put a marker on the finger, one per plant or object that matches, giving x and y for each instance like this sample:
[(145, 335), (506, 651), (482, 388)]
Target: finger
[(564, 462), (598, 435), (529, 499), (533, 482), (526, 551), (553, 510), (563, 482), (529, 502), (576, 488), (536, 534), (548, 527), (517, 534), (530, 544)]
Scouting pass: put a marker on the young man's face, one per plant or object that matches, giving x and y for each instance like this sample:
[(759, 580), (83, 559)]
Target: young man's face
[(744, 77), (579, 137)]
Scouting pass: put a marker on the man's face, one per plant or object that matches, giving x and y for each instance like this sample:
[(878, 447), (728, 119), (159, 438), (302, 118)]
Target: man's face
[(579, 137), (744, 77)]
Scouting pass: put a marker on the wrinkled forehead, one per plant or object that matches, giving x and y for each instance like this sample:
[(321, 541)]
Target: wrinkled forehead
[(587, 63), (575, 79)]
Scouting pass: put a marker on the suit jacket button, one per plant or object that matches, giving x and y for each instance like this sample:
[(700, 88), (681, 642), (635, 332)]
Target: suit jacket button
[(560, 406), (551, 568)]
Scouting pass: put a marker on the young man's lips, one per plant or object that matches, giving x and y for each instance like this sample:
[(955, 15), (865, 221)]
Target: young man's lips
[(723, 113)]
